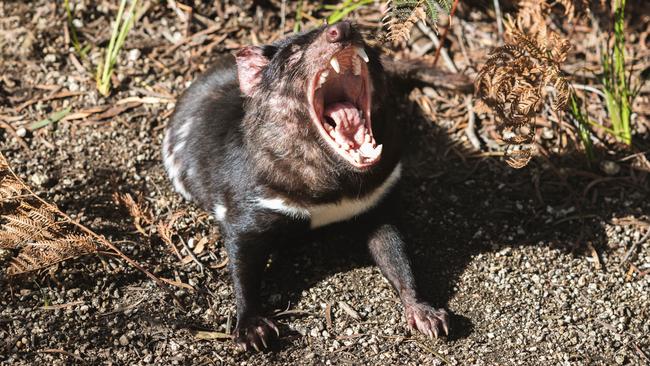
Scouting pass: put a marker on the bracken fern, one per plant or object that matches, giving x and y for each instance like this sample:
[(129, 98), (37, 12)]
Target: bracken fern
[(35, 232), (401, 15), (515, 79)]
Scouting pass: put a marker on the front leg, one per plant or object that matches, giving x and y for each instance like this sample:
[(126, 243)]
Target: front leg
[(248, 255), (388, 250)]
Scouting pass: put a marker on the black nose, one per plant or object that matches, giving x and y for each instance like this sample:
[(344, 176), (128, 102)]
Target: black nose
[(338, 32)]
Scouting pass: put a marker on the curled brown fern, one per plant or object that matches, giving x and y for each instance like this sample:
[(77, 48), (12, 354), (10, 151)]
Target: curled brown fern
[(34, 231), (516, 79)]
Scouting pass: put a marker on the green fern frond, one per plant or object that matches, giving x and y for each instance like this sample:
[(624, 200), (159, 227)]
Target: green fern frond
[(401, 15)]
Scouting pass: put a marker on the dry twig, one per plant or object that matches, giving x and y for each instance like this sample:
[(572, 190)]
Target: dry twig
[(43, 235)]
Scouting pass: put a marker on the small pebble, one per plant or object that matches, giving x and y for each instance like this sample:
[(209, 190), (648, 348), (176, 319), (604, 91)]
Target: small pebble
[(609, 167)]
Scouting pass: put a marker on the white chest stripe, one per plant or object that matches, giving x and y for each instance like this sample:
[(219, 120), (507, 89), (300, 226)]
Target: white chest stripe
[(324, 214)]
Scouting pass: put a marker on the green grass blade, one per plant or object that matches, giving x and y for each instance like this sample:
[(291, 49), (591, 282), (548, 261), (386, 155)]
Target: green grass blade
[(119, 33), (583, 127), (126, 27), (346, 9), (109, 50), (72, 28), (55, 117), (298, 23)]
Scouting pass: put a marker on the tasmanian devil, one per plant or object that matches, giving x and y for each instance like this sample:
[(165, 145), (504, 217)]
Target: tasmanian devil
[(286, 138)]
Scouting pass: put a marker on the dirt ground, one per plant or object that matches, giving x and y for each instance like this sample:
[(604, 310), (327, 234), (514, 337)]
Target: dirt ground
[(547, 265)]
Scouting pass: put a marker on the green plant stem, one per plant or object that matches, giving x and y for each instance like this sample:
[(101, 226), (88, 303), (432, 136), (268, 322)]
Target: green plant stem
[(73, 31), (344, 9), (583, 126), (615, 80), (297, 24), (118, 36)]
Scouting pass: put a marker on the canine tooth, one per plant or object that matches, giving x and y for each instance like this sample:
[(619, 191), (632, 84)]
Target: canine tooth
[(366, 149), (367, 139), (356, 66), (378, 150), (328, 127), (362, 53), (323, 78), (355, 155), (335, 64)]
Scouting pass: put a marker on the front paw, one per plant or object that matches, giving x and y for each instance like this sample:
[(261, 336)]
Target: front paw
[(432, 322), (255, 332)]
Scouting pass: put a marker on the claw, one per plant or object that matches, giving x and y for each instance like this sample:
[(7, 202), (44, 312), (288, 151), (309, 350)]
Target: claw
[(255, 333), (272, 326), (260, 332), (431, 322)]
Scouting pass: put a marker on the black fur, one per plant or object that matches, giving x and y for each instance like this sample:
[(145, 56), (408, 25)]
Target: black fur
[(238, 148)]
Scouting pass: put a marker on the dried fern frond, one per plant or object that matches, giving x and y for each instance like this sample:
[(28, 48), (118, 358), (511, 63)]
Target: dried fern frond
[(515, 80), (575, 8), (9, 187), (139, 211), (45, 253), (401, 15), (572, 8), (35, 231), (40, 235)]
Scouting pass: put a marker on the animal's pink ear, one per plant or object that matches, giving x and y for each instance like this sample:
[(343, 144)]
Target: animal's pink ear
[(250, 63)]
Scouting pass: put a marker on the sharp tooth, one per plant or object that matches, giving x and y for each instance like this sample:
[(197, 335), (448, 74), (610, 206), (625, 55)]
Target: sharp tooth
[(370, 152), (323, 78), (378, 150), (328, 127), (356, 66), (362, 53), (355, 155), (367, 150), (367, 139), (335, 64)]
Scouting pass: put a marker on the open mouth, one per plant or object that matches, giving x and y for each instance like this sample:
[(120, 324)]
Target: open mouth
[(339, 96)]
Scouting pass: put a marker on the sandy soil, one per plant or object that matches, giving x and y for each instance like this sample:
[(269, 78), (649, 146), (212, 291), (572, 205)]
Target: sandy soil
[(541, 266)]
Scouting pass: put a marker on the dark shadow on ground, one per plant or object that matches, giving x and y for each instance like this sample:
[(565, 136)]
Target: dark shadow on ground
[(455, 207)]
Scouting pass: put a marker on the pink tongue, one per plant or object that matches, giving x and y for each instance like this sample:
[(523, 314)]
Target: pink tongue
[(348, 121)]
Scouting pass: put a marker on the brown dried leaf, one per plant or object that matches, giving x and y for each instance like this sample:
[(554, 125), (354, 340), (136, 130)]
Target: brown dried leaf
[(35, 229), (514, 80)]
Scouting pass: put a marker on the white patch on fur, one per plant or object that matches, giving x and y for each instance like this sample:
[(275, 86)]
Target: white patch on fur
[(179, 146), (184, 130), (173, 168), (329, 213), (220, 212), (278, 205), (346, 209)]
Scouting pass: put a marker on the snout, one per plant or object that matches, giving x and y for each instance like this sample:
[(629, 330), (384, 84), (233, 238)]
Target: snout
[(338, 32)]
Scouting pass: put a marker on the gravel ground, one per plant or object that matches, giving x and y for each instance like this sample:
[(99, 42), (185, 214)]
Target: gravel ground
[(536, 266)]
